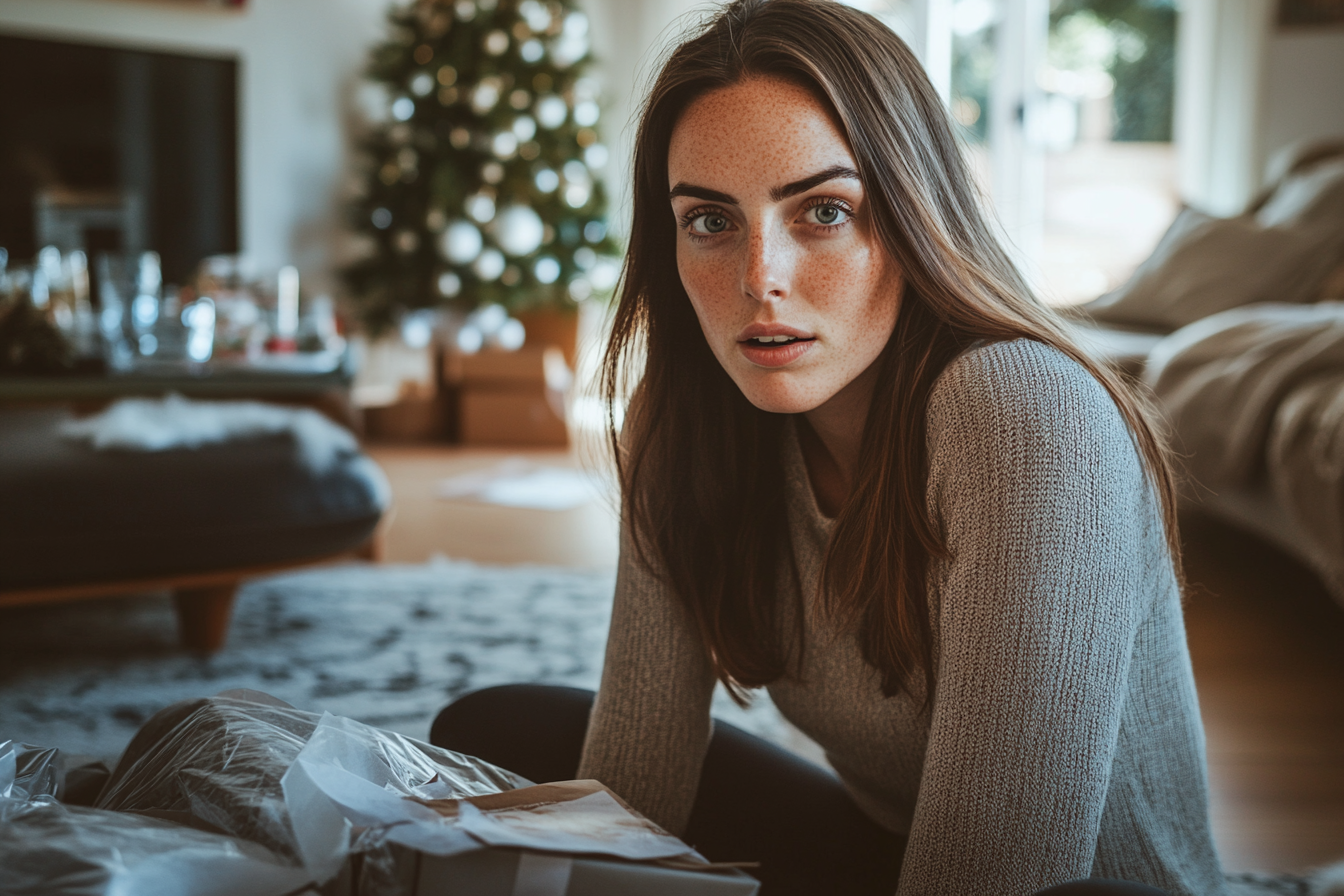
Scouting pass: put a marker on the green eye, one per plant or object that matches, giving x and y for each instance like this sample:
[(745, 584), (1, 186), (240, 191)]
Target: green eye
[(828, 215), (712, 224)]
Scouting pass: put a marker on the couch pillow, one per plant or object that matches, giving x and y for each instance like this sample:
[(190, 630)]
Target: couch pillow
[(1203, 265)]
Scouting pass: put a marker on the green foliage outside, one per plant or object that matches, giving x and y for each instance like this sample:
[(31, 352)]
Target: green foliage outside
[(1133, 41), (482, 186), (1141, 58)]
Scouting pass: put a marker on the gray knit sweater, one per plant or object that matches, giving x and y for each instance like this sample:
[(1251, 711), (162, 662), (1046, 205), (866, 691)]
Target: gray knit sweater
[(1064, 741)]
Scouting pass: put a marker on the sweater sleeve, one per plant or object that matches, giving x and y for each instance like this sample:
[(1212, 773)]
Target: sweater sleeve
[(1039, 490), (650, 725)]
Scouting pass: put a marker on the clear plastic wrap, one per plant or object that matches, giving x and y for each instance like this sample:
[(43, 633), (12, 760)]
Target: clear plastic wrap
[(55, 850), (228, 764), (236, 795), (27, 771)]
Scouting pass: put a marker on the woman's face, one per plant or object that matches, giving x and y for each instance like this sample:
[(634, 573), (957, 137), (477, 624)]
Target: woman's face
[(775, 246)]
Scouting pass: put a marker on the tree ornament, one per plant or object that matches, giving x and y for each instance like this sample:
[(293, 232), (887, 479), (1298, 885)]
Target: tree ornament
[(461, 242), (496, 43), (547, 269), (422, 84), (481, 208), (524, 127), (518, 230), (481, 156), (551, 112), (489, 264)]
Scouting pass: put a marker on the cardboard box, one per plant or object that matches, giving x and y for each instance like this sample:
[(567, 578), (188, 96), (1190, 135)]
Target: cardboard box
[(495, 872), (513, 418), (512, 819), (511, 398)]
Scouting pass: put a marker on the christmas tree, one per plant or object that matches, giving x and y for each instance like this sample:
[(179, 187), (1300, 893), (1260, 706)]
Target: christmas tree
[(483, 184)]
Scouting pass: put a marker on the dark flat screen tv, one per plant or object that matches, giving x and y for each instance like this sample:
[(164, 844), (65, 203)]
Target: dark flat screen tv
[(104, 148)]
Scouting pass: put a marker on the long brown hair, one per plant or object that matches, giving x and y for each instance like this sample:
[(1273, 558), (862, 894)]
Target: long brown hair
[(700, 466)]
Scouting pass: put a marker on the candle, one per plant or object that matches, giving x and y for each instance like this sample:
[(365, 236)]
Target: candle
[(287, 304)]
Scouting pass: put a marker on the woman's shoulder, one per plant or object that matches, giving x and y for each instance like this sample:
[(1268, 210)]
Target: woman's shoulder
[(1021, 389)]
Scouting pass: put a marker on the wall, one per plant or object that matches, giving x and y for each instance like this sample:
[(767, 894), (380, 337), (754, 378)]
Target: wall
[(1245, 90), (299, 61), (1303, 88)]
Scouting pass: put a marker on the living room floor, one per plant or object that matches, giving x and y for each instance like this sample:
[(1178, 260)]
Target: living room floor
[(1267, 644)]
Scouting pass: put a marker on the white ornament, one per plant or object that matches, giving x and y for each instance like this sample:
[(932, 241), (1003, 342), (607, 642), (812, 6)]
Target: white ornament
[(496, 42), (422, 84), (532, 50), (596, 156), (547, 180), (481, 208), (586, 114), (505, 144), (580, 289), (403, 108), (537, 16), (417, 328), (524, 128), (551, 111), (576, 195), (461, 242), (469, 340), (576, 24), (576, 172), (518, 230), (510, 336), (547, 269), (449, 285), (489, 264), (484, 97), (572, 44), (488, 318)]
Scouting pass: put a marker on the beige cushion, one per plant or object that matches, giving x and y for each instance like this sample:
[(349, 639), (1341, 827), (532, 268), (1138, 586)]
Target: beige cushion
[(1281, 253)]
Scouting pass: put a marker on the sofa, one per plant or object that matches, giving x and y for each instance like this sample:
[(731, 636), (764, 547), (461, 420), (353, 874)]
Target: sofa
[(1236, 326)]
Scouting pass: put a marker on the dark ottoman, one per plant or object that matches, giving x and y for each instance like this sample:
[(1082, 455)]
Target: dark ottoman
[(176, 493)]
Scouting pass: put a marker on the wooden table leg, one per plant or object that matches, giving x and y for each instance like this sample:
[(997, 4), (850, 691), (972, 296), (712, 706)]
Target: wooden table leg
[(203, 615)]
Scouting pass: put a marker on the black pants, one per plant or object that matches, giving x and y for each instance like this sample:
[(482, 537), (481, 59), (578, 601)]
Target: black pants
[(756, 802)]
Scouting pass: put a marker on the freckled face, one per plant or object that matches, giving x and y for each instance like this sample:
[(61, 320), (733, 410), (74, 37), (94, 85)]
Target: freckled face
[(793, 291)]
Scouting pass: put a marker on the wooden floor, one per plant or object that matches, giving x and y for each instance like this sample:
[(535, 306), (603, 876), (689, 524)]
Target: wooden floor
[(1267, 644), (424, 524), (1268, 649)]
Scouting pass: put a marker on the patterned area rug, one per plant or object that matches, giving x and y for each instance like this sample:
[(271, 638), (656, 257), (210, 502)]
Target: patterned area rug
[(388, 645)]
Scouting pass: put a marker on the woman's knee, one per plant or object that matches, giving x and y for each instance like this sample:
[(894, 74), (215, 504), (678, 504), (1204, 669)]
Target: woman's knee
[(532, 730)]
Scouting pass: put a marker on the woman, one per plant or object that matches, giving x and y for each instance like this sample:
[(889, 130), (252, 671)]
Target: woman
[(864, 469)]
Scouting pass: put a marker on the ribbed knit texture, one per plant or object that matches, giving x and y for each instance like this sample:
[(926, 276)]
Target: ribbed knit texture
[(1064, 740)]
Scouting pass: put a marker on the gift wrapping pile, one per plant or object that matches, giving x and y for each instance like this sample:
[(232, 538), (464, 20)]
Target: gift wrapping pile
[(247, 797)]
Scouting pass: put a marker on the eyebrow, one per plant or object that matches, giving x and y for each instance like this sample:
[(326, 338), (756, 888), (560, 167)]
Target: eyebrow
[(835, 172)]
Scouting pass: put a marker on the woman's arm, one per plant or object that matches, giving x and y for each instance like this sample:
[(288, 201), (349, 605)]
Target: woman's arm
[(1040, 494), (650, 726)]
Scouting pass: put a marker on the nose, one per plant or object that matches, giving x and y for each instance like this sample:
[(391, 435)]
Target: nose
[(766, 269)]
